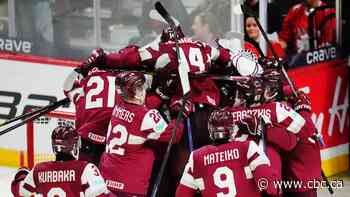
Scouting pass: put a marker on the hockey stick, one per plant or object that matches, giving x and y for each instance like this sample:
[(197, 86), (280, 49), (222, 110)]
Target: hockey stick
[(38, 113), (183, 71), (329, 186), (220, 77), (185, 88), (23, 116), (249, 12), (189, 134)]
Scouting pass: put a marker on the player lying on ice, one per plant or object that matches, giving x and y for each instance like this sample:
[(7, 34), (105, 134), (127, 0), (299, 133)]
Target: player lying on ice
[(65, 176)]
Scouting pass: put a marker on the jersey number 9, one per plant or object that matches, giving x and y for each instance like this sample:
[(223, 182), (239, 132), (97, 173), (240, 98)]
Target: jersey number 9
[(224, 178)]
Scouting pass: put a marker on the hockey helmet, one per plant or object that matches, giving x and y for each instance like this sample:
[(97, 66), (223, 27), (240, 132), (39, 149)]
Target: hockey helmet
[(272, 80), (221, 127), (130, 83), (65, 139), (251, 90)]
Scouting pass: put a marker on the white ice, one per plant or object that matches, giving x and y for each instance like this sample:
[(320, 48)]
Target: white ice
[(6, 175)]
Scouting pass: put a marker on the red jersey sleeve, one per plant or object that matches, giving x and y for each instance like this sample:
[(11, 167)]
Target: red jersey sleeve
[(260, 167), (188, 184), (128, 56), (284, 116), (281, 138), (309, 128)]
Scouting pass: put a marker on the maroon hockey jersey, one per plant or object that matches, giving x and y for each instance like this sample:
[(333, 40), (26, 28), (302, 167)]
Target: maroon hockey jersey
[(292, 133), (64, 178), (196, 56), (127, 163), (275, 113), (94, 108), (303, 163), (281, 134), (231, 169)]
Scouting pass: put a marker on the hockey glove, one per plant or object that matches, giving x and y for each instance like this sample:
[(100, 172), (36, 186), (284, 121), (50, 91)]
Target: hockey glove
[(302, 102), (176, 104)]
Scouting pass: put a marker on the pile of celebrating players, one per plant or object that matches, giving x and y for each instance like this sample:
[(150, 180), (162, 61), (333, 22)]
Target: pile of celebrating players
[(240, 130)]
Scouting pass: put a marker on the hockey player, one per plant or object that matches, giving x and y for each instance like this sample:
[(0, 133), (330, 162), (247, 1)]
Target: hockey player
[(94, 97), (198, 58), (303, 162), (282, 123), (290, 133), (127, 163), (17, 181), (161, 56), (227, 168), (65, 176)]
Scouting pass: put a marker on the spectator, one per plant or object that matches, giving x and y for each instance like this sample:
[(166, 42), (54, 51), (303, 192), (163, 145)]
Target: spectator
[(274, 12), (206, 27), (252, 38), (294, 32), (220, 8), (34, 23)]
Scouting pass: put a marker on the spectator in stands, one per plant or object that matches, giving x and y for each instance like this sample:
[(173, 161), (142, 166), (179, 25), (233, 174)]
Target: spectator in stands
[(252, 38), (206, 27), (294, 33), (34, 23), (274, 12), (220, 8)]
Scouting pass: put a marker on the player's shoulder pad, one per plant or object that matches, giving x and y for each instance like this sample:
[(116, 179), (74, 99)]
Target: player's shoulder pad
[(91, 176), (90, 170), (153, 120), (283, 111), (252, 148)]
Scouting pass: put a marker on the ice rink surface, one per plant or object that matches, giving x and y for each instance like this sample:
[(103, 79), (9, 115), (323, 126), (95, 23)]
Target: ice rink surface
[(6, 175)]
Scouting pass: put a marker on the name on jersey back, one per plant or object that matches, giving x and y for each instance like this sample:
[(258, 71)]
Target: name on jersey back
[(216, 157), (56, 176), (239, 115), (123, 114)]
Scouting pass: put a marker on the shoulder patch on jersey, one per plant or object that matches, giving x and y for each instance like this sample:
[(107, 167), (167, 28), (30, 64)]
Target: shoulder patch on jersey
[(283, 112), (261, 159), (153, 120), (252, 149), (92, 177), (162, 61), (144, 54)]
